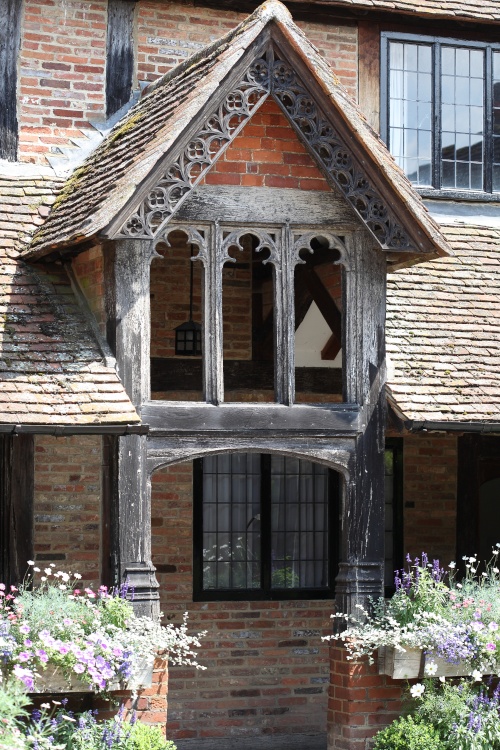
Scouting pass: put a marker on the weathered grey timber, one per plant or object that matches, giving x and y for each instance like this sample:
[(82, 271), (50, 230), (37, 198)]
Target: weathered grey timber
[(127, 275), (16, 506), (127, 266), (243, 419), (131, 526), (337, 454), (273, 742), (10, 38), (362, 558), (119, 54), (254, 205)]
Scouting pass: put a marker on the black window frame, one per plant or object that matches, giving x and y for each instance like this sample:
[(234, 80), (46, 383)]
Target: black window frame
[(265, 593), (436, 191)]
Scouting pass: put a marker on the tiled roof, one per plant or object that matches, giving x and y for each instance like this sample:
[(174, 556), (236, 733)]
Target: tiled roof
[(443, 331), (138, 146), (462, 10), (51, 368)]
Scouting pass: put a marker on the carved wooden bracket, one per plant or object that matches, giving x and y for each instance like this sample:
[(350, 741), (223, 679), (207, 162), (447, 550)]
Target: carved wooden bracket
[(278, 78)]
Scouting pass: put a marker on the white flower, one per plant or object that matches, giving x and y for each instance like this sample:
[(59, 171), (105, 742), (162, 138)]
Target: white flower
[(47, 571), (417, 690), (62, 587), (458, 585), (431, 668), (65, 577), (497, 544), (496, 570), (476, 675), (31, 562), (472, 560), (44, 705), (52, 565), (77, 576), (37, 570), (452, 565), (442, 678), (492, 627), (43, 578)]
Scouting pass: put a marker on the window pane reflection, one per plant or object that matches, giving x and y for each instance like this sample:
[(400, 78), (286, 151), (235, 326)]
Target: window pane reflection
[(410, 109), (462, 117), (496, 121)]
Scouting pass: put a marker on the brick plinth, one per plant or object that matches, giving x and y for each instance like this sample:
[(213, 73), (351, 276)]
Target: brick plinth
[(360, 702), (149, 704)]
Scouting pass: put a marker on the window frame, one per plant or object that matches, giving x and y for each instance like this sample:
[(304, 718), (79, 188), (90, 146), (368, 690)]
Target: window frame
[(265, 593), (436, 43), (396, 445)]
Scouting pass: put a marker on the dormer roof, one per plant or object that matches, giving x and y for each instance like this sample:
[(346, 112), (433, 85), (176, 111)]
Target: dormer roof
[(266, 55)]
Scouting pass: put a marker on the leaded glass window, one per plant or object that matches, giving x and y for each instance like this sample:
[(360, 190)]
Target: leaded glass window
[(265, 525), (441, 117)]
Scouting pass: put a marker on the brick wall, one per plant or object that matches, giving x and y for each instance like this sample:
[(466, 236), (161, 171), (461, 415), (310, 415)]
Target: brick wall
[(67, 503), (62, 60), (62, 72), (267, 153), (89, 269), (430, 479), (360, 703), (267, 666), (168, 34)]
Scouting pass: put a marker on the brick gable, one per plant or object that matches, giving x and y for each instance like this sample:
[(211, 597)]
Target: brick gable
[(267, 153)]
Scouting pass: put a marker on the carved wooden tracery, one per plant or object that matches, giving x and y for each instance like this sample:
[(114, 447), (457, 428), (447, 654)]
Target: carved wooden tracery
[(284, 245), (278, 78)]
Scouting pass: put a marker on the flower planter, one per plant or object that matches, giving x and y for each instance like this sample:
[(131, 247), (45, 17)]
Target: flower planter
[(53, 680), (410, 664)]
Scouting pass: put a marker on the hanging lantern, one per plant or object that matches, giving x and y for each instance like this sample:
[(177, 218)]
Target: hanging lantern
[(188, 335)]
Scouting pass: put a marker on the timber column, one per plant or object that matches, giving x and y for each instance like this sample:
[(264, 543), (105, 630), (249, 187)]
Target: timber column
[(127, 274), (363, 519)]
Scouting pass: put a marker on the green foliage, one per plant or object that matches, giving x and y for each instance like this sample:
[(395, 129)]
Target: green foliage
[(13, 702), (408, 733), (116, 611), (465, 716), (146, 737)]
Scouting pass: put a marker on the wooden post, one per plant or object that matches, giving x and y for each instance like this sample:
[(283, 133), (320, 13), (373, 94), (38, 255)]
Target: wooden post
[(127, 274), (362, 554), (16, 506)]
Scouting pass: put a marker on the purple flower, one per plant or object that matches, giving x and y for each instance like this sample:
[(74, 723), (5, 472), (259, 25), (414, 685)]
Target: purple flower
[(491, 647), (42, 655), (26, 676), (24, 629), (25, 656), (63, 649), (79, 668)]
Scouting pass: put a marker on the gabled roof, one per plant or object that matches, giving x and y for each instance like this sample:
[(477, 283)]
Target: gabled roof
[(52, 371), (443, 332), (108, 188), (486, 11)]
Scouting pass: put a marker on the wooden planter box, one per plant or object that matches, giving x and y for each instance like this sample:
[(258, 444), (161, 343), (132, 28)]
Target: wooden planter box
[(52, 680), (410, 664)]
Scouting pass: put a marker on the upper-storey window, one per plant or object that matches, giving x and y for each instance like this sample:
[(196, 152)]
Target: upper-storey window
[(441, 115)]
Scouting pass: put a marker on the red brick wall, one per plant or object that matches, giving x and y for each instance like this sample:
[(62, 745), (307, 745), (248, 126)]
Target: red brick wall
[(89, 269), (360, 703), (430, 487), (169, 33), (62, 72), (267, 666), (63, 59), (67, 504), (267, 153)]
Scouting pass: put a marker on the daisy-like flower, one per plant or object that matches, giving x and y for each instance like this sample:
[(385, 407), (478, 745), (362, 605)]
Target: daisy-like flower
[(31, 562), (476, 675), (442, 678), (452, 565), (416, 691), (431, 668), (45, 705)]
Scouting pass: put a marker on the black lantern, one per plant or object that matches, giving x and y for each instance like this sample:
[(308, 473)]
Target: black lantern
[(188, 335)]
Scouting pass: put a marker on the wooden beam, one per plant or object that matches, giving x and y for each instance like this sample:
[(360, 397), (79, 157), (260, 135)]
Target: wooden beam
[(10, 39), (16, 506), (331, 348), (119, 54), (322, 298)]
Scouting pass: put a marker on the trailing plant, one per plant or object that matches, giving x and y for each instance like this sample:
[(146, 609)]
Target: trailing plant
[(93, 635), (458, 621)]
